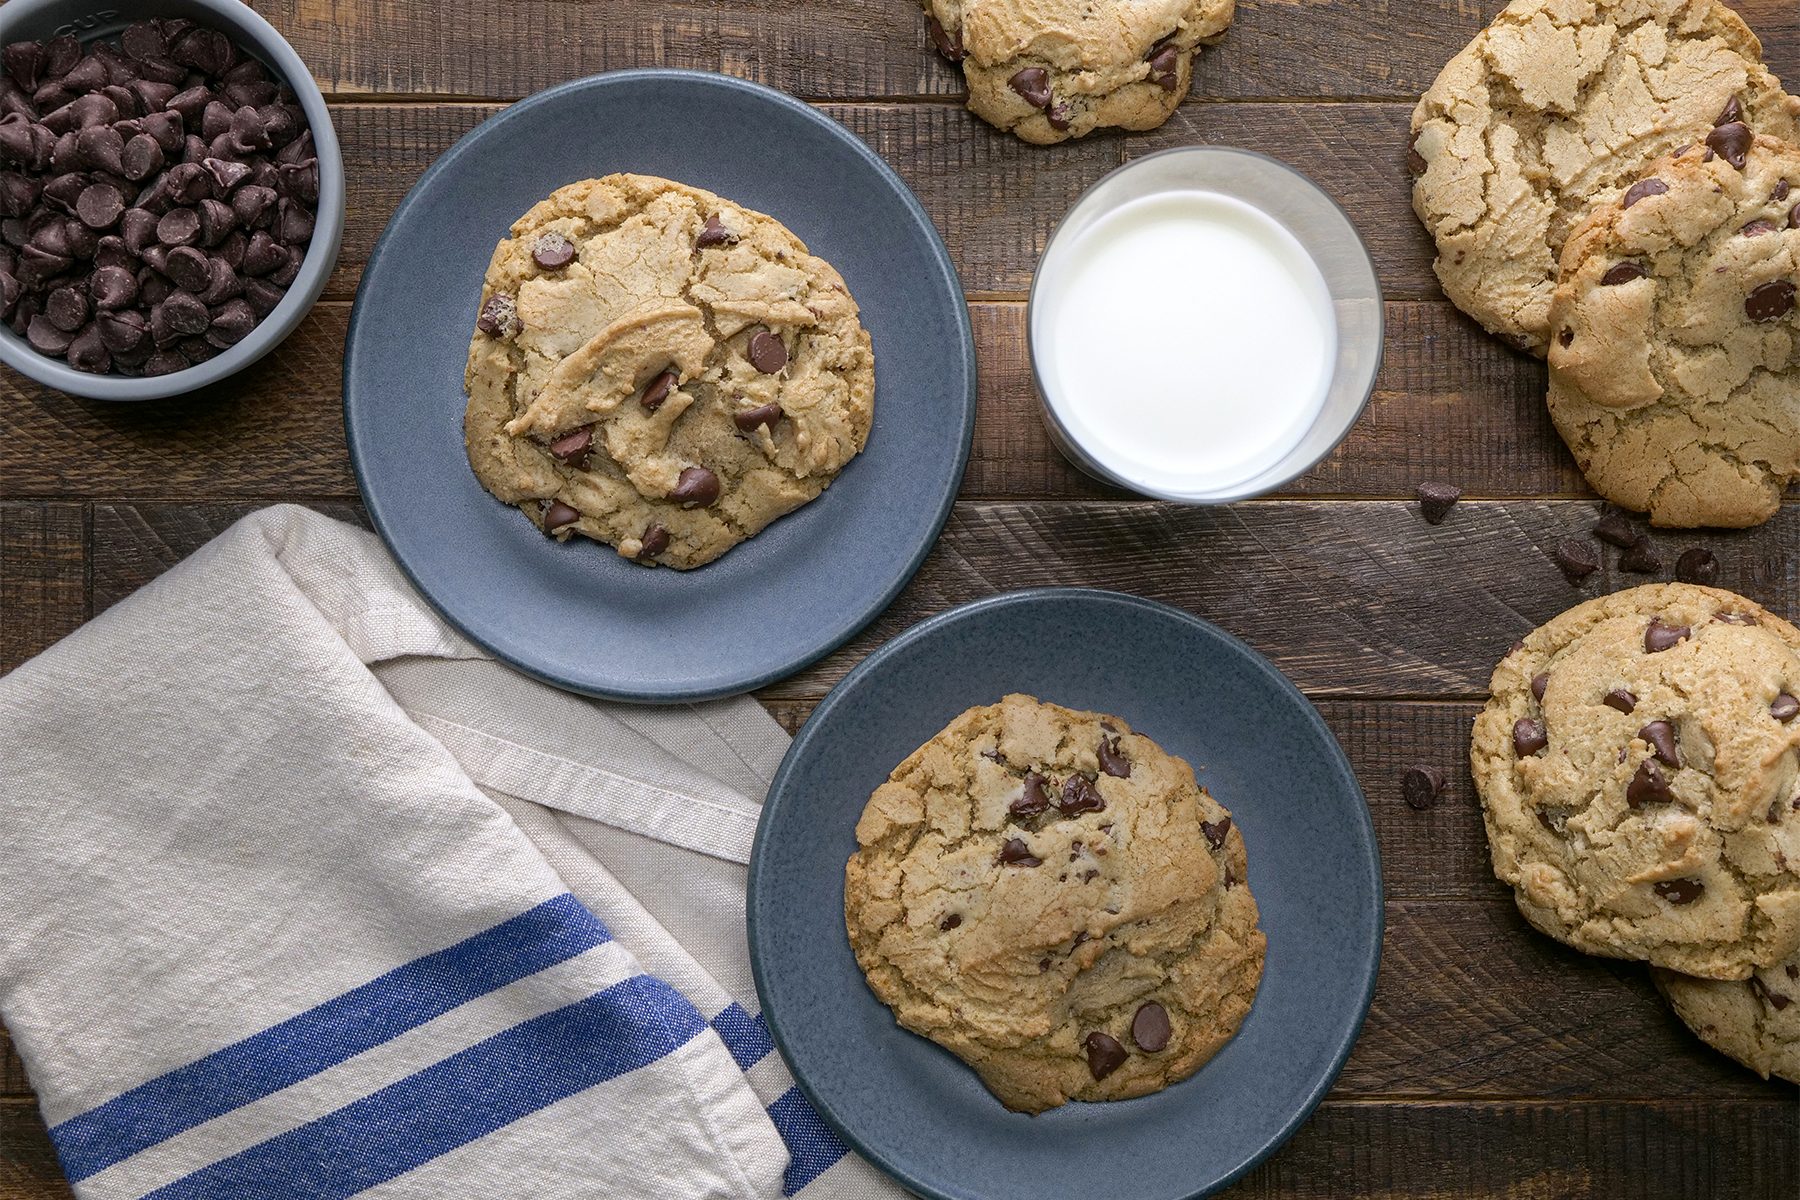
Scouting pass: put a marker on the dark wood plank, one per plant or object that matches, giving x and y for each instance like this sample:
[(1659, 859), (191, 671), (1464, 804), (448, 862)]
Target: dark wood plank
[(43, 577), (856, 49), (28, 1166)]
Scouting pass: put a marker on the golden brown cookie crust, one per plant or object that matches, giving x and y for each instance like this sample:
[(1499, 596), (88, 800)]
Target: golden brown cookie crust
[(1676, 349), (1558, 105), (1755, 1021), (1638, 766), (1086, 64), (639, 335), (1019, 931)]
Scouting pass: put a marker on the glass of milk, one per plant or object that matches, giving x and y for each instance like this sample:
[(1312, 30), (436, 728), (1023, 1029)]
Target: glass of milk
[(1205, 325)]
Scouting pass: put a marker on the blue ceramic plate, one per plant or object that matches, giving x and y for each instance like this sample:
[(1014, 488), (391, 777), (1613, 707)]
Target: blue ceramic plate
[(577, 615), (1256, 744)]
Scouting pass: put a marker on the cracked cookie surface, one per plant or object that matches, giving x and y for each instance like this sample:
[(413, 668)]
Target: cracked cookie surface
[(660, 369), (1637, 771), (1049, 70), (1756, 1021), (1055, 900), (1558, 105), (1676, 352)]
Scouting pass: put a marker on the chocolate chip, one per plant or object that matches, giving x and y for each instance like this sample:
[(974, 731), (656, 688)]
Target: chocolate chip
[(1112, 761), (1775, 1000), (1698, 565), (696, 487), (499, 314), (1620, 699), (226, 174), (1539, 682), (112, 288), (1648, 786), (67, 308), (262, 254), (1060, 115), (1104, 1055), (572, 448), (552, 251), (179, 227), (1679, 891), (714, 233), (654, 541), (141, 158), (1528, 736), (231, 322), (1641, 558), (254, 205), (124, 331), (1660, 735), (950, 922), (948, 42), (750, 419), (1215, 831), (657, 391), (1150, 1027), (1613, 528), (1757, 228), (1033, 86), (1034, 797), (1731, 142), (1420, 787), (1770, 302), (1016, 853), (1436, 500), (1577, 558), (1659, 637), (767, 353), (1624, 272), (1643, 189), (46, 338), (1165, 67), (188, 269), (1079, 795), (558, 515), (1785, 708), (1734, 112), (1735, 618), (165, 362)]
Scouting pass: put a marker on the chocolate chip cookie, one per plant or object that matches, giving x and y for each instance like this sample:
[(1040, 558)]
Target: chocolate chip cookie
[(1052, 898), (1557, 105), (1638, 771), (1049, 70), (1677, 346), (662, 370), (1756, 1021)]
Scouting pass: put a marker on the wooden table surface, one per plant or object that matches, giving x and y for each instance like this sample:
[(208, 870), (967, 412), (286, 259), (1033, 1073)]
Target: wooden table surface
[(1495, 1063)]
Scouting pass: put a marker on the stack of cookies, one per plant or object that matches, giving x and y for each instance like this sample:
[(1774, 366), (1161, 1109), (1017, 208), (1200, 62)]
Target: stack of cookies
[(1639, 765), (1615, 185)]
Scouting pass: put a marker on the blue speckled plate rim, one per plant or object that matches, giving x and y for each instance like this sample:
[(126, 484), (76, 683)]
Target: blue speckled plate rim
[(852, 623), (1340, 764)]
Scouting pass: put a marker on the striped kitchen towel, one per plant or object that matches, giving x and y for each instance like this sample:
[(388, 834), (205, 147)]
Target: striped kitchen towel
[(306, 897)]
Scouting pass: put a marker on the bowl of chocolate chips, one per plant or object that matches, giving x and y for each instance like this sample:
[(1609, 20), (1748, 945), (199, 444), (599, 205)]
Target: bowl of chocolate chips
[(171, 194)]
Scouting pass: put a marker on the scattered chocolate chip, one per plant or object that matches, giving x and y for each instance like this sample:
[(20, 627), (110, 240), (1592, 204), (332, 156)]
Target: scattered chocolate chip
[(1420, 787), (1104, 1055), (1785, 708), (1033, 86), (1641, 558), (1781, 191), (1415, 162), (1528, 736), (1033, 799), (1615, 530), (713, 233), (750, 419), (1623, 272), (1436, 500), (1697, 565), (1660, 735), (558, 515), (1620, 699), (655, 541), (696, 487), (1679, 891), (499, 315), (552, 251), (1577, 558), (1111, 760), (1016, 853), (1539, 683), (767, 352), (1659, 637), (1150, 1027), (1758, 228), (1734, 111), (948, 42), (1775, 1000), (1735, 618), (1643, 189), (657, 391), (1060, 115), (1215, 831), (1079, 795), (1165, 66), (572, 448), (1770, 302), (1648, 786), (1731, 142), (950, 922)]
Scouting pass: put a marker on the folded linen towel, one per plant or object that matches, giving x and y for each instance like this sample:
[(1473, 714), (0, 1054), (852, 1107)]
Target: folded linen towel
[(306, 897)]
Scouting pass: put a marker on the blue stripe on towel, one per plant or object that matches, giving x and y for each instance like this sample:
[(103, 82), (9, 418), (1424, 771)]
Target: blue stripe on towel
[(322, 1037), (450, 1104), (747, 1037), (813, 1147)]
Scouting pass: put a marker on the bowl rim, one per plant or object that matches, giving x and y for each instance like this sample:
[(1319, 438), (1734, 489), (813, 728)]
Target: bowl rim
[(16, 17), (1085, 460)]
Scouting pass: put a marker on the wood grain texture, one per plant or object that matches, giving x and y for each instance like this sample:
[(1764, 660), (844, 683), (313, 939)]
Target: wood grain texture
[(43, 577)]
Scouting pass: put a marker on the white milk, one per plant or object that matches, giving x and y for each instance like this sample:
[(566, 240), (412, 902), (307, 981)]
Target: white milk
[(1186, 340)]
